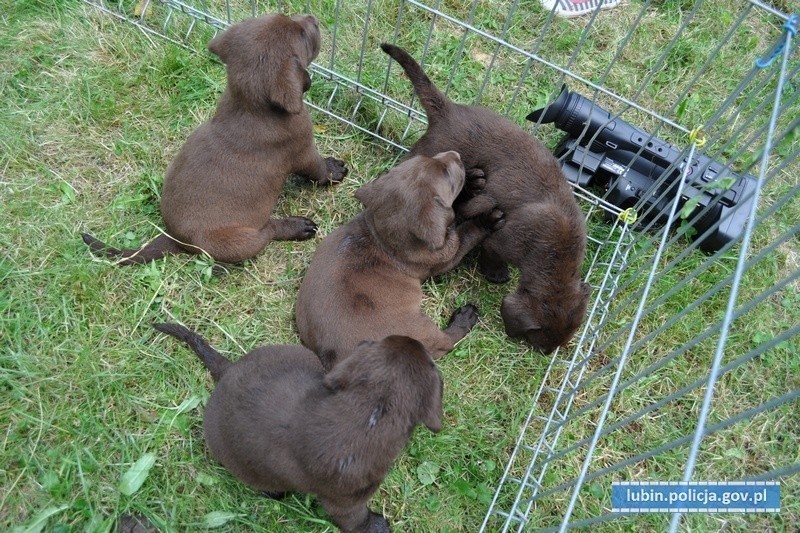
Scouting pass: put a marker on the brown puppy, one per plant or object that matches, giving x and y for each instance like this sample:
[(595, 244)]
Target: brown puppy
[(220, 190), (544, 234), (279, 423), (364, 281)]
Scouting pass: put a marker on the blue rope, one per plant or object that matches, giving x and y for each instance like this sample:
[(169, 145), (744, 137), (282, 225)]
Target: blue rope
[(790, 27)]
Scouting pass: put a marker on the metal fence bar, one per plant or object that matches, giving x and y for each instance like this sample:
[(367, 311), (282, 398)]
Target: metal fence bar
[(549, 445), (727, 319), (614, 265), (749, 356), (767, 476), (619, 257), (549, 64), (673, 444), (625, 354), (722, 284)]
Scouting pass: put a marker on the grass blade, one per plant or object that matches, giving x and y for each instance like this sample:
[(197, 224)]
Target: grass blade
[(38, 522)]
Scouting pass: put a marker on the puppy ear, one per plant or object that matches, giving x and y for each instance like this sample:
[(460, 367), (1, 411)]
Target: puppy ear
[(368, 193), (586, 291), (431, 224), (338, 378), (432, 411), (347, 371), (581, 303), (517, 317), (289, 85), (220, 45), (306, 80)]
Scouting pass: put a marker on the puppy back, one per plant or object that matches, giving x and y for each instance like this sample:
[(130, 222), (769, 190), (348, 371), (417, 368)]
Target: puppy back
[(432, 99), (212, 359), (336, 306), (375, 397)]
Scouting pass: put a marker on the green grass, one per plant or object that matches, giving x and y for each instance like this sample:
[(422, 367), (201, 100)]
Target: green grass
[(94, 110)]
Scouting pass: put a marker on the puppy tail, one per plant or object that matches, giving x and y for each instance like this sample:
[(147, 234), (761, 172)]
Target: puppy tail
[(433, 100), (155, 249), (214, 361)]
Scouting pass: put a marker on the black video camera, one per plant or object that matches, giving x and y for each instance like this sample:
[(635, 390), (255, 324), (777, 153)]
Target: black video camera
[(632, 166)]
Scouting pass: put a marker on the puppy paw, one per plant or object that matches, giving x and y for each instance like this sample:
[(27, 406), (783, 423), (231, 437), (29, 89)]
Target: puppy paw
[(377, 524), (303, 228), (474, 173), (336, 170), (477, 206), (493, 268), (465, 317), (496, 273), (493, 220), (475, 181), (475, 187)]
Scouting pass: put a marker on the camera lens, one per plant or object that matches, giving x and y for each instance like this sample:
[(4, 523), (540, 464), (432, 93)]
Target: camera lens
[(570, 112), (552, 112)]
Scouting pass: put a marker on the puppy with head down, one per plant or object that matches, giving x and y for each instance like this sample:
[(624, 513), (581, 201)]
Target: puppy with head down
[(544, 234), (278, 423), (220, 190), (364, 281)]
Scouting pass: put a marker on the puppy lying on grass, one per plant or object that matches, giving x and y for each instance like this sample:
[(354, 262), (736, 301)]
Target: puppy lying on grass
[(220, 190), (544, 234), (364, 281), (279, 424)]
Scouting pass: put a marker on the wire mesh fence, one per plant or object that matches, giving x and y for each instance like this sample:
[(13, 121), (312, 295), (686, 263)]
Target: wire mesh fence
[(689, 350)]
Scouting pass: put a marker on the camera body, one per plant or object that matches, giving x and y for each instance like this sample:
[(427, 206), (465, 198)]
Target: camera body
[(642, 171)]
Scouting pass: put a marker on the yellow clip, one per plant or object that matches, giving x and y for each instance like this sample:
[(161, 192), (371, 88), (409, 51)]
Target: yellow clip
[(629, 216), (697, 137)]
